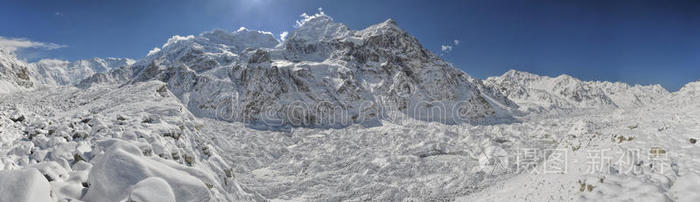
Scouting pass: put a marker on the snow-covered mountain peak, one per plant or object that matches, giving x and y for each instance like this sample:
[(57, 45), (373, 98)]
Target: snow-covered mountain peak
[(565, 78), (690, 89), (317, 18), (388, 27), (225, 45), (515, 75), (117, 62), (177, 38), (314, 29), (390, 21)]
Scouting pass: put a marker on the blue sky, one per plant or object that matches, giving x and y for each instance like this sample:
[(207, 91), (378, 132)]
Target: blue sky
[(636, 41)]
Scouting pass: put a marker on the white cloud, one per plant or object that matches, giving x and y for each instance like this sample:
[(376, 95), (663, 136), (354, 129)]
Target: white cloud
[(268, 33), (446, 48), (241, 29), (283, 35), (58, 13), (13, 44)]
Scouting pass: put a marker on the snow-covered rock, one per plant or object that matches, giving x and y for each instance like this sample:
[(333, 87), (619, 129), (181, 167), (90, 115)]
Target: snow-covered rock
[(123, 166), (25, 185), (152, 189)]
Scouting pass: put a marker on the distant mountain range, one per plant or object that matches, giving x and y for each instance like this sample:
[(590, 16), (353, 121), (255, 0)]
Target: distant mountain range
[(16, 74), (59, 72), (542, 93)]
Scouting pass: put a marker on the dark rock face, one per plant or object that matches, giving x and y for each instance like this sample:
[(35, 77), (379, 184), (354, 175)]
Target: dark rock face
[(23, 78)]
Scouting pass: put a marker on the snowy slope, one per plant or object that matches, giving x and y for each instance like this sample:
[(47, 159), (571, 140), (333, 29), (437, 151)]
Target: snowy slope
[(541, 93), (323, 75)]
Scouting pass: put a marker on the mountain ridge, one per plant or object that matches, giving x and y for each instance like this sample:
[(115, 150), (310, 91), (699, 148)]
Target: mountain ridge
[(61, 72), (543, 93), (18, 74)]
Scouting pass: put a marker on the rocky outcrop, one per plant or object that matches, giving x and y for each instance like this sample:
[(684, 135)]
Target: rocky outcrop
[(15, 74)]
